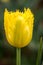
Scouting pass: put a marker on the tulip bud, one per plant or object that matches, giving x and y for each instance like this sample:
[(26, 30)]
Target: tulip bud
[(18, 27)]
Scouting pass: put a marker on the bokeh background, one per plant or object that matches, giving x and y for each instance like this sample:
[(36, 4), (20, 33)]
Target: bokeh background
[(29, 53)]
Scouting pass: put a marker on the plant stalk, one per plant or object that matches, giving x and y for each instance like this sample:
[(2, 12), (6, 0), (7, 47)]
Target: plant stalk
[(18, 56)]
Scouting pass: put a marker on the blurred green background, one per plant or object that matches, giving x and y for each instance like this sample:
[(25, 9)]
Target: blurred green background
[(29, 53)]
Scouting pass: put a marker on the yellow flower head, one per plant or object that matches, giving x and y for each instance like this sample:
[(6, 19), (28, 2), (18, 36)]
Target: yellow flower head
[(18, 27)]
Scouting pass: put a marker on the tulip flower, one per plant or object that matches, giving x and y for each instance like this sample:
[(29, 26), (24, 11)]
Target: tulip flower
[(19, 27)]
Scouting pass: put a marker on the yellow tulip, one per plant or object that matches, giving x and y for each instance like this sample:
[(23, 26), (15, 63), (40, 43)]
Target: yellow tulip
[(18, 27)]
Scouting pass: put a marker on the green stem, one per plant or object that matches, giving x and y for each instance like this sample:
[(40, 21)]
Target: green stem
[(38, 61), (18, 56)]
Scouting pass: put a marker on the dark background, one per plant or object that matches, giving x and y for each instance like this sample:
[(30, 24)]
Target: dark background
[(29, 53)]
